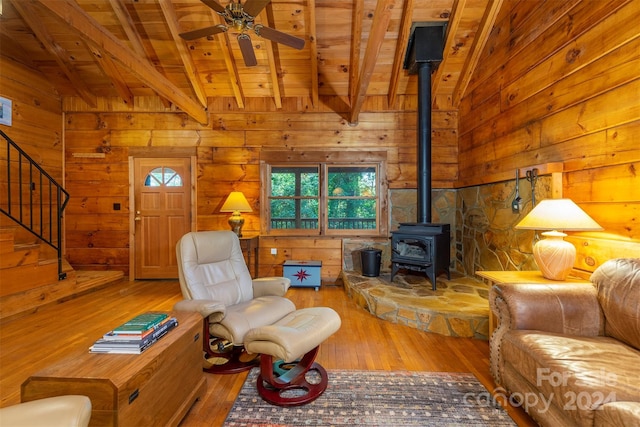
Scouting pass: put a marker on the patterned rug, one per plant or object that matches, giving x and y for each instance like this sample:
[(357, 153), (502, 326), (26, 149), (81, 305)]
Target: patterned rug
[(378, 398)]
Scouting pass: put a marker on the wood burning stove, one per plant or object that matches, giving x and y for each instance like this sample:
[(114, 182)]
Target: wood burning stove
[(423, 246)]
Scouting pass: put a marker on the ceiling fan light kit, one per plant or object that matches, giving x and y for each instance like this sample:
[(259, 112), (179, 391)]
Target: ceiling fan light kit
[(240, 18)]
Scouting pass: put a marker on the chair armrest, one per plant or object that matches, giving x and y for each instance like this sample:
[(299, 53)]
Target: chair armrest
[(65, 410), (277, 286), (214, 310), (569, 308)]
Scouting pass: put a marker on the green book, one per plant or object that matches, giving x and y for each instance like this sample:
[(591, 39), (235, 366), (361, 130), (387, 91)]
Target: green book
[(141, 323)]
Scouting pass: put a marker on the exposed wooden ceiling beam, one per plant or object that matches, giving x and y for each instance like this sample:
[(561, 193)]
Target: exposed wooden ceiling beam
[(313, 50), (455, 17), (272, 55), (138, 46), (401, 47), (111, 70), (232, 68), (30, 16), (356, 41), (479, 41), (128, 26), (273, 73), (381, 18), (186, 58), (230, 64), (84, 26)]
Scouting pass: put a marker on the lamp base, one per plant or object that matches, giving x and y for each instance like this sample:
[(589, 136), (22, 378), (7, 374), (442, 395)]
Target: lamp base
[(555, 256), (236, 222)]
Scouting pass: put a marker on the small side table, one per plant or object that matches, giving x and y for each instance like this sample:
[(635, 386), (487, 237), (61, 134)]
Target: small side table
[(505, 277), (250, 246)]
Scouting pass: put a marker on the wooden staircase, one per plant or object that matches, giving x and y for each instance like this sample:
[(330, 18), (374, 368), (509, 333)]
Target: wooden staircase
[(29, 276)]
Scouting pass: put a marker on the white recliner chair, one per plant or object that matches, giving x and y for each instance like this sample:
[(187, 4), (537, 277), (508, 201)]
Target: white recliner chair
[(216, 282), (59, 411), (244, 318)]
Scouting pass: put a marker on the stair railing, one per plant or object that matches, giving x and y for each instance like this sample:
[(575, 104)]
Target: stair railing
[(33, 198)]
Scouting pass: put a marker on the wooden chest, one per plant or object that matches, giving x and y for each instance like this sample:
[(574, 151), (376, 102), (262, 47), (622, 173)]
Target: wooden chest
[(155, 388)]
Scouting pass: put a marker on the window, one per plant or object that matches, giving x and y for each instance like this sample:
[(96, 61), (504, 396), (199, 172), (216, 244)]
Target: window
[(163, 176), (294, 198), (323, 198)]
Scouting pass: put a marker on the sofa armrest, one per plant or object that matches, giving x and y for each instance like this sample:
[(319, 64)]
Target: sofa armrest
[(214, 310), (277, 286), (568, 308)]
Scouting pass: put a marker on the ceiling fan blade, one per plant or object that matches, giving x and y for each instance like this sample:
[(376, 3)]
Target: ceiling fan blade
[(203, 32), (279, 37), (247, 50), (254, 7), (214, 5)]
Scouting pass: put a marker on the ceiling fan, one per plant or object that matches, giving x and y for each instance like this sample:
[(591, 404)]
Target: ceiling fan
[(240, 18)]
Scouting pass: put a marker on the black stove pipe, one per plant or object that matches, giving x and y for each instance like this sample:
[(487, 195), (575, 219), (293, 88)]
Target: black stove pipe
[(424, 143)]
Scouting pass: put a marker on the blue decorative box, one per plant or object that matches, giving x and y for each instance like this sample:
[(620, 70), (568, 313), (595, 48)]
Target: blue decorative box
[(304, 274)]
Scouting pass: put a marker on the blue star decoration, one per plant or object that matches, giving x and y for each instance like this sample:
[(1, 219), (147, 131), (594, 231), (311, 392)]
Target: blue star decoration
[(301, 275)]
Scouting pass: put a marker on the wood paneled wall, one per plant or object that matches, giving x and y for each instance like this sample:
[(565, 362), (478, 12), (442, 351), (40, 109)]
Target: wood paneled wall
[(228, 153), (559, 82), (36, 127)]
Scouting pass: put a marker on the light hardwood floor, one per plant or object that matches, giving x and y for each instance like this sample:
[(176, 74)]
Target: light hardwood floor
[(363, 342)]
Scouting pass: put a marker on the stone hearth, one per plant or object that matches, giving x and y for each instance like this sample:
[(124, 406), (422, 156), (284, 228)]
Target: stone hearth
[(458, 307)]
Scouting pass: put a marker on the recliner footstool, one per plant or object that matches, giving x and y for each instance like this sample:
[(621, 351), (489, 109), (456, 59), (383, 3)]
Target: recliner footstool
[(289, 347)]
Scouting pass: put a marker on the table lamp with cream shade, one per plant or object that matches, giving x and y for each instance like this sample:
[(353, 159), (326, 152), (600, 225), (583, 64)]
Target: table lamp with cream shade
[(236, 203), (555, 256)]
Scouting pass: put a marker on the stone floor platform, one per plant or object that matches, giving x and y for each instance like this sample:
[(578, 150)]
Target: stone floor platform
[(458, 307)]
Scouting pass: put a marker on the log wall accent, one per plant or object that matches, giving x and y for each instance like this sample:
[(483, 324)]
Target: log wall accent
[(559, 82), (36, 127), (228, 154)]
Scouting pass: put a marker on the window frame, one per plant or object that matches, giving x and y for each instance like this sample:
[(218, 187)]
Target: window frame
[(324, 160)]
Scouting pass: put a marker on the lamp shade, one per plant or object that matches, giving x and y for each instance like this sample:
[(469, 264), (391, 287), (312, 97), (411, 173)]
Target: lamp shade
[(555, 256), (236, 202), (558, 214)]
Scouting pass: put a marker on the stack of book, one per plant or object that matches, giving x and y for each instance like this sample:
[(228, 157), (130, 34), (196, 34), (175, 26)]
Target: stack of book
[(135, 335)]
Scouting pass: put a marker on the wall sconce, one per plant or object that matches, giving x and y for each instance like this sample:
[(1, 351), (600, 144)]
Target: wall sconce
[(236, 203), (555, 256)]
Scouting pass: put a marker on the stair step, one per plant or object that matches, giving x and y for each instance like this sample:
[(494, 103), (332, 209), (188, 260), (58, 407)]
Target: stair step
[(6, 240), (26, 277), (20, 257), (21, 304)]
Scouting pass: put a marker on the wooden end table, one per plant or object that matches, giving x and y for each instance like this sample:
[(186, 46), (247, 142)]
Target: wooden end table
[(250, 246), (504, 277), (155, 388)]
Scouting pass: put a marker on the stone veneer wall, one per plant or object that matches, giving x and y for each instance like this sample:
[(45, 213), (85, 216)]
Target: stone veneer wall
[(403, 208), (482, 226), (486, 238)]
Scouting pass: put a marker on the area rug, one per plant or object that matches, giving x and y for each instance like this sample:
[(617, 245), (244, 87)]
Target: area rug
[(378, 398)]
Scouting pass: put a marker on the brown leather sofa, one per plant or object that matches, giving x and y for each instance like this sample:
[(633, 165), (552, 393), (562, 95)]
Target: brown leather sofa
[(569, 354)]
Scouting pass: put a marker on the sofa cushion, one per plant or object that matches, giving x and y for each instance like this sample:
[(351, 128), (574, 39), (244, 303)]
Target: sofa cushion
[(618, 414), (579, 374), (618, 283)]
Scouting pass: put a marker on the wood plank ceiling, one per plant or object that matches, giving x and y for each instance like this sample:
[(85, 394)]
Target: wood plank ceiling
[(131, 48)]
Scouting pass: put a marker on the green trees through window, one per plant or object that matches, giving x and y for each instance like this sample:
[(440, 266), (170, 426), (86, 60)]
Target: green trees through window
[(326, 197), (294, 197), (352, 197)]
